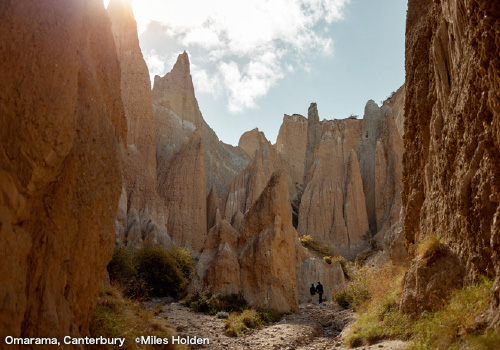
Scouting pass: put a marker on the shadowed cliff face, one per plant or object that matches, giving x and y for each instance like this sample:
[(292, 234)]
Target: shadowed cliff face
[(61, 121), (141, 213), (452, 131)]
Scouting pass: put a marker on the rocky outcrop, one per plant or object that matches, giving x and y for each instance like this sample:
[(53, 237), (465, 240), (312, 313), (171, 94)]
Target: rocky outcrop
[(219, 265), (60, 172), (451, 172), (267, 250), (333, 208), (177, 115), (248, 185), (252, 141), (396, 102), (430, 281), (314, 131), (183, 189), (291, 146), (142, 214), (260, 256), (380, 155)]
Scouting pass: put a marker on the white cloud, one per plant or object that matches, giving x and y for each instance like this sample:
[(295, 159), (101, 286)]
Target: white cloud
[(244, 47), (257, 78)]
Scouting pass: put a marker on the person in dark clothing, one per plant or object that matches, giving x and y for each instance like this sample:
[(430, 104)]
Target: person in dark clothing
[(319, 290), (312, 290)]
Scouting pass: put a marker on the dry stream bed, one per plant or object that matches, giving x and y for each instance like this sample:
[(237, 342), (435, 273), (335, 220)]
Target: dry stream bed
[(315, 327)]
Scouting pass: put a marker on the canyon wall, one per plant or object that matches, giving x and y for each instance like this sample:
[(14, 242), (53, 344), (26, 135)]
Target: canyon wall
[(451, 174), (62, 124), (141, 214)]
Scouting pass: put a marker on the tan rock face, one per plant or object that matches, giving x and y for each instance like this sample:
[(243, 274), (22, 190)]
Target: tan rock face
[(430, 281), (333, 208), (252, 141), (291, 146), (183, 190), (267, 250), (260, 255), (451, 170), (219, 264), (143, 214), (248, 185), (397, 105), (314, 132), (60, 181), (312, 271), (177, 115)]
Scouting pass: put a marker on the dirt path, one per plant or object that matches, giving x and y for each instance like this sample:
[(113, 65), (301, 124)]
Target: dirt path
[(315, 327)]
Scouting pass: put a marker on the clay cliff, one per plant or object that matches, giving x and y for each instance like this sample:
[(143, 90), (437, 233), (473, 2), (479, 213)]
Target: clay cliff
[(141, 213), (182, 136), (177, 114), (262, 257), (332, 207), (380, 155), (291, 146), (62, 120), (451, 173)]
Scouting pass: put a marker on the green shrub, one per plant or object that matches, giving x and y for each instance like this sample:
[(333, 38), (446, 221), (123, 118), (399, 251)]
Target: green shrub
[(210, 303), (327, 259), (237, 324), (356, 291), (151, 271), (121, 267), (163, 273)]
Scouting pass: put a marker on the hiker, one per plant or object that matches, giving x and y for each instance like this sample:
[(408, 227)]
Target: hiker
[(319, 290), (312, 290)]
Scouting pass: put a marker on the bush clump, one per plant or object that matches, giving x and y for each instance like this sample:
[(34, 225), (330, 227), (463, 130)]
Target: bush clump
[(356, 291), (237, 324), (151, 271), (211, 303)]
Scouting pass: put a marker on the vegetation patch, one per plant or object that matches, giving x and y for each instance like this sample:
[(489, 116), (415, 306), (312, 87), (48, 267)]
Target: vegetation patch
[(211, 303), (375, 296), (318, 247), (238, 323), (376, 302), (151, 271), (356, 291), (117, 316), (460, 325)]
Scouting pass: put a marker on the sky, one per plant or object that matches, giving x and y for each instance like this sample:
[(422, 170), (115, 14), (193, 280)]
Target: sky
[(252, 61)]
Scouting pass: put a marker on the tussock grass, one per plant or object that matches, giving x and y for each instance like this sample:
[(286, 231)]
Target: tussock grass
[(318, 247), (378, 313), (429, 244), (237, 324), (459, 325), (117, 316), (357, 290)]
